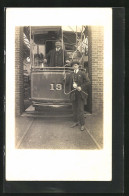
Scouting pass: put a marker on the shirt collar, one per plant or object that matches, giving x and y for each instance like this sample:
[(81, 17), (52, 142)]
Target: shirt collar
[(76, 71), (57, 49)]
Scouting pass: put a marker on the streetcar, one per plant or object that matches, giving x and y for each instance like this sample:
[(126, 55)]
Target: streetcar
[(47, 82)]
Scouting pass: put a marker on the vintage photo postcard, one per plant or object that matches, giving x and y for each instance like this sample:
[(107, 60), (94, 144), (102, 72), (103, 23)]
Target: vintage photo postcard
[(58, 94)]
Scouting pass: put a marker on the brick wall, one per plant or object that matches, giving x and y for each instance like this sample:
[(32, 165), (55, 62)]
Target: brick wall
[(19, 93), (96, 63)]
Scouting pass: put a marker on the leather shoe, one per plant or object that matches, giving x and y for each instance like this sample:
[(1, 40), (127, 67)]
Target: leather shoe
[(82, 128), (75, 124)]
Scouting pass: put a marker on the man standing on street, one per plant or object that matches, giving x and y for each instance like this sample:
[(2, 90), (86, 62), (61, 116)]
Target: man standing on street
[(78, 82)]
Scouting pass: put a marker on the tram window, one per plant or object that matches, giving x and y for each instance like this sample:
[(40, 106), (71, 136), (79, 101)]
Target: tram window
[(69, 47), (38, 59), (39, 53)]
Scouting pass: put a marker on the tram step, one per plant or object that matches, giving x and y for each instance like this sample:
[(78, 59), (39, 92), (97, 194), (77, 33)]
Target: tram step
[(46, 115), (54, 108), (48, 112)]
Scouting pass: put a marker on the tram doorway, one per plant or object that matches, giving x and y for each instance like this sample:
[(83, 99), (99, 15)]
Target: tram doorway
[(50, 44)]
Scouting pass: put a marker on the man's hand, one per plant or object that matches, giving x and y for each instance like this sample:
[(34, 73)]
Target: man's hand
[(79, 88), (67, 61), (45, 61), (64, 77), (74, 85)]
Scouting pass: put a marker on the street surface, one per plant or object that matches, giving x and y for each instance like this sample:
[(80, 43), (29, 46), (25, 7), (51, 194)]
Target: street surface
[(55, 133)]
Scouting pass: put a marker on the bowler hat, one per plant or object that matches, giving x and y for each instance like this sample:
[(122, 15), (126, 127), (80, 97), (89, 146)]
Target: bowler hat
[(58, 41)]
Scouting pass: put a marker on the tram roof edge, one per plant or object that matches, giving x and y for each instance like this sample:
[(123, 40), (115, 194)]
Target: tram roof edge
[(41, 29)]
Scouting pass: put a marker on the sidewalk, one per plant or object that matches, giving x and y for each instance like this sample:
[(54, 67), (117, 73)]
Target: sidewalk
[(55, 133)]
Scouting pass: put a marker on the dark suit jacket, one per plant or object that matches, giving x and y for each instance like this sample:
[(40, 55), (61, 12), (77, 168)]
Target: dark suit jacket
[(51, 58), (83, 82)]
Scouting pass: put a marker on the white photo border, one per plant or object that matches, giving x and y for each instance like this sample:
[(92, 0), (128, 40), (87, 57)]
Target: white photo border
[(58, 165)]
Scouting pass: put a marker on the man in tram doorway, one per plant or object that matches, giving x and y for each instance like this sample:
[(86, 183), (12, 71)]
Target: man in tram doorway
[(79, 83), (57, 57)]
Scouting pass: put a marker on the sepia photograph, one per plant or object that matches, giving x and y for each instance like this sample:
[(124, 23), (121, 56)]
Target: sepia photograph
[(59, 94)]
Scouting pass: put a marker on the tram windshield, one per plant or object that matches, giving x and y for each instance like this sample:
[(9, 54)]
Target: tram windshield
[(74, 45)]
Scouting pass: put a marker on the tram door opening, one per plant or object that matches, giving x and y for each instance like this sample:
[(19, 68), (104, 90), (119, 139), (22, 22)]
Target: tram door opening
[(50, 44)]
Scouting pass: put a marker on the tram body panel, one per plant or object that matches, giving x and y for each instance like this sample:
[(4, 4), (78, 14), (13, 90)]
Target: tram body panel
[(49, 86)]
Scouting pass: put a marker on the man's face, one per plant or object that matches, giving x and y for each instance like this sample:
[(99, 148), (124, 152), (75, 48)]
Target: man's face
[(75, 66), (58, 44)]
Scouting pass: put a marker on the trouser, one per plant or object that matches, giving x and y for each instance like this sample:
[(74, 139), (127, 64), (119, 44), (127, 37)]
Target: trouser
[(78, 108)]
